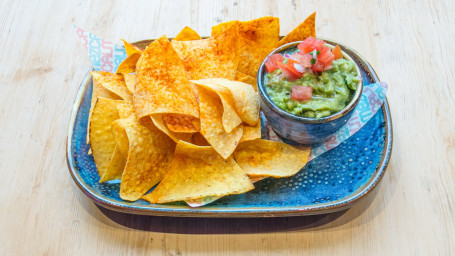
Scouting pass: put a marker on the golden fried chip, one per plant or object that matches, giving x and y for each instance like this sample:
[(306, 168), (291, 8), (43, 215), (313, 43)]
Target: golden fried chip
[(216, 56), (300, 33), (270, 158), (115, 167), (230, 117), (126, 110), (251, 132), (128, 65), (180, 123), (198, 172), (245, 98), (131, 49), (244, 78), (187, 34), (257, 39), (212, 125), (98, 91), (101, 138), (158, 121), (115, 83), (149, 156), (162, 85), (130, 81)]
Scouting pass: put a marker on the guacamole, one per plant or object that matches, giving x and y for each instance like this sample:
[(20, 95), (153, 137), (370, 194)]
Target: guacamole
[(332, 90)]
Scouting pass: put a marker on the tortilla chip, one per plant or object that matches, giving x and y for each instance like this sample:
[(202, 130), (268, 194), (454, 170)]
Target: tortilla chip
[(270, 158), (97, 91), (128, 65), (130, 81), (187, 34), (246, 100), (159, 123), (251, 132), (230, 117), (198, 172), (101, 138), (257, 39), (216, 56), (300, 33), (180, 123), (244, 78), (114, 83), (162, 85), (131, 49), (212, 125), (149, 156)]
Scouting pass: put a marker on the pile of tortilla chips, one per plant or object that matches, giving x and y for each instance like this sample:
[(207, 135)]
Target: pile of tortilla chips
[(184, 114)]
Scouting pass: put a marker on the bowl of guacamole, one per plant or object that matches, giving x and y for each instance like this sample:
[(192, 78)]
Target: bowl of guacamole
[(308, 90)]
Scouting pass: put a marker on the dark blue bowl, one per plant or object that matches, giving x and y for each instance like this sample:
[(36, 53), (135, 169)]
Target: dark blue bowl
[(298, 129)]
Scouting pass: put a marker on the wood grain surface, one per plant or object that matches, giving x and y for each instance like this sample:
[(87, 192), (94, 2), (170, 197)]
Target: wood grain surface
[(42, 63)]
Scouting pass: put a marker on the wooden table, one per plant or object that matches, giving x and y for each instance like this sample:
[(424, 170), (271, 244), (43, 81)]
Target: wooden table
[(42, 212)]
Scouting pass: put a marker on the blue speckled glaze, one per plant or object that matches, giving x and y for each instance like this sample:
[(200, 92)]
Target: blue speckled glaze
[(331, 182)]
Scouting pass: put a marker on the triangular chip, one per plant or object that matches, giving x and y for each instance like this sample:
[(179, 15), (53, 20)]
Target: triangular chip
[(149, 156), (130, 81), (162, 85), (251, 132), (230, 117), (175, 136), (101, 138), (115, 83), (244, 78), (98, 91), (212, 125), (198, 172), (131, 49), (199, 140), (270, 158), (216, 56), (300, 33), (128, 65), (257, 39), (246, 100), (181, 123), (187, 34)]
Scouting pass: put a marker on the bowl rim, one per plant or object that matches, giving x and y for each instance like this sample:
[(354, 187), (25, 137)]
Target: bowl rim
[(266, 98)]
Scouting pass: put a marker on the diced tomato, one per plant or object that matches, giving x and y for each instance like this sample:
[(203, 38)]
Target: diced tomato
[(301, 92), (272, 60), (337, 52), (318, 67), (325, 56), (286, 72), (310, 44), (291, 67), (303, 58)]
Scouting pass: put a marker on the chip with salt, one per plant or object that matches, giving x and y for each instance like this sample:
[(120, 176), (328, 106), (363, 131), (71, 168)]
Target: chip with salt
[(198, 172), (162, 85), (251, 132), (181, 123), (244, 78), (115, 83), (175, 136), (270, 158), (149, 156), (101, 138), (216, 56), (128, 65), (212, 124), (230, 117), (187, 34), (301, 32), (131, 48), (257, 39)]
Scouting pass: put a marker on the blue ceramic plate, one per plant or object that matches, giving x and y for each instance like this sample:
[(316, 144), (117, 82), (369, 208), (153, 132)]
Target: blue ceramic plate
[(332, 182)]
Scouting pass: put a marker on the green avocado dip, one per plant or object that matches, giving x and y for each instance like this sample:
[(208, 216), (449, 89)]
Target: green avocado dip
[(331, 90)]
